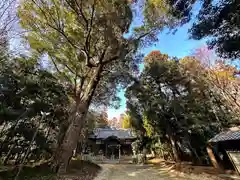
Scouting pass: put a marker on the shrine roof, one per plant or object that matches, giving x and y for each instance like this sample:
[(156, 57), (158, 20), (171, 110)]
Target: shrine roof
[(230, 134), (104, 133)]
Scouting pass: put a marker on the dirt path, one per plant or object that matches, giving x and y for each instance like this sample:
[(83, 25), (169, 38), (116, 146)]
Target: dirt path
[(148, 172)]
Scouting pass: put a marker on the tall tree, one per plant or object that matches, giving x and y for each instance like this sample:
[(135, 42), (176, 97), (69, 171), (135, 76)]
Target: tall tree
[(220, 76), (84, 41), (26, 91), (217, 20), (126, 121), (174, 100), (103, 120), (220, 21)]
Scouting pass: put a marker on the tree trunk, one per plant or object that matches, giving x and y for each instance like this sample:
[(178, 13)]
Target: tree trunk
[(28, 149), (18, 159), (9, 154), (195, 153), (174, 149), (3, 128), (173, 144), (77, 122), (212, 158), (160, 144), (70, 141)]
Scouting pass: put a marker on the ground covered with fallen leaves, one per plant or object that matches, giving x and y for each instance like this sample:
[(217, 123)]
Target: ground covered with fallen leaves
[(160, 171)]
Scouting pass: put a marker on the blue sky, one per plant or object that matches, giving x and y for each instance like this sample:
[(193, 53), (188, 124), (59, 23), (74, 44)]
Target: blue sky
[(178, 45)]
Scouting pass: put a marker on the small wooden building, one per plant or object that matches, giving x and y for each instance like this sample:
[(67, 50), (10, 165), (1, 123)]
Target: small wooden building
[(111, 141), (224, 150)]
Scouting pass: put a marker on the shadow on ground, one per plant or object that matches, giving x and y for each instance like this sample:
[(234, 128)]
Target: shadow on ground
[(163, 170), (78, 170)]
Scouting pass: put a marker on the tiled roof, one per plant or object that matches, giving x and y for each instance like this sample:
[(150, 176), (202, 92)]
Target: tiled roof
[(231, 134), (103, 133)]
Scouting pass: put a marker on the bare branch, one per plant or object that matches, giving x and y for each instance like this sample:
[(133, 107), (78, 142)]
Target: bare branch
[(7, 21), (5, 9)]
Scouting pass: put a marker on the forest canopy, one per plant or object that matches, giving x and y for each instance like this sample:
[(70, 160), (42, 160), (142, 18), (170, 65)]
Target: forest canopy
[(78, 55)]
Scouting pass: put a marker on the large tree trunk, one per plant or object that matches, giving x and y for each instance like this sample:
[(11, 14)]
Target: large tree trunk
[(77, 122), (71, 138)]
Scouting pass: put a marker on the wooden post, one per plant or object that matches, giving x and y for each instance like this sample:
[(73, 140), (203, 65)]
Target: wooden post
[(106, 150), (119, 151), (212, 157), (232, 161)]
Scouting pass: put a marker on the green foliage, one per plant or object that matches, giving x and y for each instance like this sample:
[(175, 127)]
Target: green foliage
[(26, 92), (147, 126), (78, 36), (84, 42), (217, 20), (220, 21), (167, 13), (172, 100), (127, 121)]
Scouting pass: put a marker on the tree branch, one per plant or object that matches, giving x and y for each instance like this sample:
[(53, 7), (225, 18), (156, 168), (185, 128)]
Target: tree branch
[(122, 51), (56, 29), (66, 65), (90, 28), (87, 42), (111, 59), (102, 55), (55, 65), (76, 11), (75, 84), (81, 11)]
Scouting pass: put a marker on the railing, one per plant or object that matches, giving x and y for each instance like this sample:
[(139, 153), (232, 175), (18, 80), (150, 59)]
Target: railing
[(99, 158)]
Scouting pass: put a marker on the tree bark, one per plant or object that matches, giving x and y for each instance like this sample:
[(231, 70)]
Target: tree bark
[(77, 122), (212, 157), (3, 128), (160, 144), (174, 149), (71, 139), (194, 153), (173, 144)]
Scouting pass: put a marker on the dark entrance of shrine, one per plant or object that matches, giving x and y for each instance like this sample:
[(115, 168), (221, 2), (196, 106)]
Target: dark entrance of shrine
[(112, 147)]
